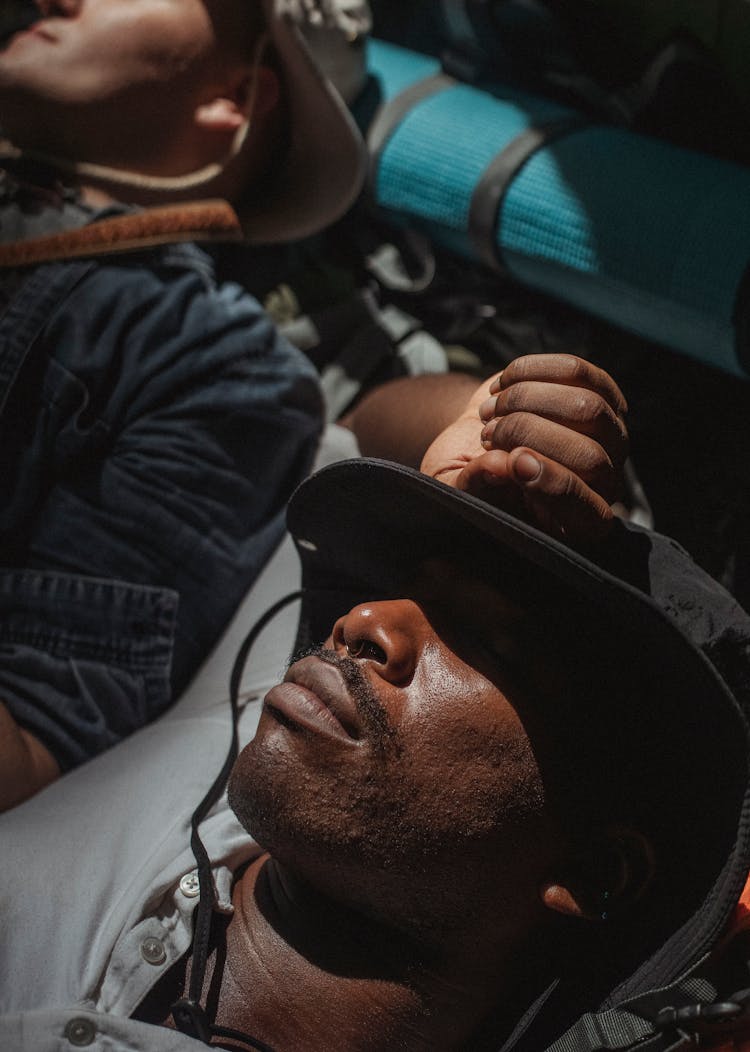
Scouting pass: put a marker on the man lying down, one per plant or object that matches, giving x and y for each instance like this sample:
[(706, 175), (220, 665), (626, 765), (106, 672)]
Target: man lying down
[(504, 785)]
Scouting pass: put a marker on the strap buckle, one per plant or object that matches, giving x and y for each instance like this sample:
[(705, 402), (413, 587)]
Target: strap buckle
[(699, 1020)]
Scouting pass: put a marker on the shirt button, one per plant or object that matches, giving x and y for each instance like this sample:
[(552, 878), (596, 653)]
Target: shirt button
[(80, 1032), (190, 886), (152, 950)]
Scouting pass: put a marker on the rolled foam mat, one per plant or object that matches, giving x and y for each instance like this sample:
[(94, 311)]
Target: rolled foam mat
[(651, 237)]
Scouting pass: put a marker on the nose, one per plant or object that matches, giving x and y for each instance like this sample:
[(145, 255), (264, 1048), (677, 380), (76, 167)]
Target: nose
[(387, 636)]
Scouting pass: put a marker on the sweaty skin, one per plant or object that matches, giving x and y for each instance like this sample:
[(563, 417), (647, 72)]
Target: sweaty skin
[(410, 837)]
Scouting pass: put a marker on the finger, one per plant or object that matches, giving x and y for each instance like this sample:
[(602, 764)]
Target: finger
[(580, 409), (562, 369), (490, 477), (558, 501), (492, 469), (582, 455)]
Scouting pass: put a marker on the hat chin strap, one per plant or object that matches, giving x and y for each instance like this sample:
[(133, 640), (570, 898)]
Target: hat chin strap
[(116, 177), (159, 184)]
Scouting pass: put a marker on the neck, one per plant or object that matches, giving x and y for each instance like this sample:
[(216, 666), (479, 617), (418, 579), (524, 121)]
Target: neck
[(346, 982)]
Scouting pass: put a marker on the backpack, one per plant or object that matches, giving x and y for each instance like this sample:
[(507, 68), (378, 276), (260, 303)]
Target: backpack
[(676, 70)]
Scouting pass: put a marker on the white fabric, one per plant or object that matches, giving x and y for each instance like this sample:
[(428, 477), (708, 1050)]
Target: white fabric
[(91, 867)]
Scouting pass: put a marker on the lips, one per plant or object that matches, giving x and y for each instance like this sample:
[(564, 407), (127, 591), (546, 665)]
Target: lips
[(315, 696)]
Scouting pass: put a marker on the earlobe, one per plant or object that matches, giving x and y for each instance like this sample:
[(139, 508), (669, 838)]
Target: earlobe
[(219, 115), (561, 899), (606, 878), (253, 97)]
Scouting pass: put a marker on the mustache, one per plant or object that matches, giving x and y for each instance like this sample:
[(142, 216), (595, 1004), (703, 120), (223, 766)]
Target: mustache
[(374, 718)]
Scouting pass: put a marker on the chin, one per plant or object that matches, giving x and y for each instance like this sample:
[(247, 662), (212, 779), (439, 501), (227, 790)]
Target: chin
[(267, 793), (243, 789)]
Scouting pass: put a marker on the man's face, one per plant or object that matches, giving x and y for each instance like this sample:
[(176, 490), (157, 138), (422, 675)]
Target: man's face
[(393, 768), (91, 72)]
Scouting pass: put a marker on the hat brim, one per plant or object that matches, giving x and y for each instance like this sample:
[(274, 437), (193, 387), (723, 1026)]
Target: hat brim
[(360, 525), (325, 162)]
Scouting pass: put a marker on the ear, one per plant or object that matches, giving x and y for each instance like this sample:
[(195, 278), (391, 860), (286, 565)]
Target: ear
[(602, 881), (251, 95)]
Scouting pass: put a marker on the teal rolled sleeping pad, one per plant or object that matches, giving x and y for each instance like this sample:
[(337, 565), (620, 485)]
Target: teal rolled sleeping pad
[(651, 237)]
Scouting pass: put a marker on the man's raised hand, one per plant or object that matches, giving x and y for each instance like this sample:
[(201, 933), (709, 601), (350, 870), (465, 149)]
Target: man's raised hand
[(546, 440)]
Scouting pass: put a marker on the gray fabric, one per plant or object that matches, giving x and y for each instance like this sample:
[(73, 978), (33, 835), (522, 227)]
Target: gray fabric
[(91, 867)]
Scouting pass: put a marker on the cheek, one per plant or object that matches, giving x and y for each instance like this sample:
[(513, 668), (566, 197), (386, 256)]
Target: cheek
[(466, 754), (130, 51)]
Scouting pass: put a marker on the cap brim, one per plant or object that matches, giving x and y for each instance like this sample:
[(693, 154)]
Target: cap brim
[(324, 166), (360, 525)]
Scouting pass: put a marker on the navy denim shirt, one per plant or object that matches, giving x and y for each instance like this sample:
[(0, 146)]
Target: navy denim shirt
[(152, 427)]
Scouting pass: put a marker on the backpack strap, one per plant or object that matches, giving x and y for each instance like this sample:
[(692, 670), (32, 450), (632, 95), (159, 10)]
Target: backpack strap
[(209, 220), (688, 1014), (692, 1012)]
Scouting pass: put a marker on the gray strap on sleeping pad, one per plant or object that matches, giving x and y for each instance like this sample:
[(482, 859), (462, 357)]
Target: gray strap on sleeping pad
[(389, 116), (488, 195)]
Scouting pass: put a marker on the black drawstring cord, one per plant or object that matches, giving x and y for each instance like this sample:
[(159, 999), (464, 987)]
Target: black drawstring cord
[(189, 1016), (237, 1035)]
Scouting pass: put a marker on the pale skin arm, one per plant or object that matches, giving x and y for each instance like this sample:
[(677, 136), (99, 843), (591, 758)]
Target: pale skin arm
[(399, 419), (545, 440), (26, 765)]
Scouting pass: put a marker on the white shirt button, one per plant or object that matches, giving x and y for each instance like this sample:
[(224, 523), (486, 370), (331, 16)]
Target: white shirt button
[(190, 886), (152, 950), (80, 1032)]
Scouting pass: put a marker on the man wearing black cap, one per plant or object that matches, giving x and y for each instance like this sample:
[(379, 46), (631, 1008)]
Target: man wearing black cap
[(152, 422), (502, 795)]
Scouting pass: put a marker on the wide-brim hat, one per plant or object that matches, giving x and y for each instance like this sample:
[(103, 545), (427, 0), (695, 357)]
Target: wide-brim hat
[(323, 168), (360, 527)]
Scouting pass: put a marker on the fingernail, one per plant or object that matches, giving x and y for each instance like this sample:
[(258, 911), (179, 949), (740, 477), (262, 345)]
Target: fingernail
[(495, 385), (486, 435), (527, 468), (487, 409)]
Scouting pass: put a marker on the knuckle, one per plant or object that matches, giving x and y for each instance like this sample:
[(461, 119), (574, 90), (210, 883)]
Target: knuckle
[(576, 368), (562, 487), (513, 372), (592, 463), (511, 431), (515, 397), (591, 409), (570, 488)]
